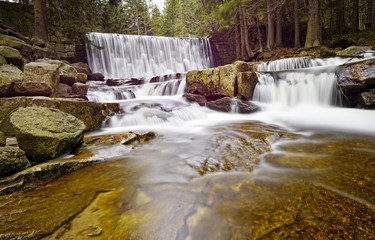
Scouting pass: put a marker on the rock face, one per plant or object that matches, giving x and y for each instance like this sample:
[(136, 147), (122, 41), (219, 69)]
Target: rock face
[(91, 113), (46, 133), (12, 159), (41, 74), (8, 76)]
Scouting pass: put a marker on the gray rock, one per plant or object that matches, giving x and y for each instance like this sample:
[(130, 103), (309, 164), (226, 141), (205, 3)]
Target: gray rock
[(46, 133), (12, 159)]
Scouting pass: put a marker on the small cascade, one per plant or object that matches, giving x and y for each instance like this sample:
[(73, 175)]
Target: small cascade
[(293, 88), (169, 88), (285, 64), (109, 94), (126, 56)]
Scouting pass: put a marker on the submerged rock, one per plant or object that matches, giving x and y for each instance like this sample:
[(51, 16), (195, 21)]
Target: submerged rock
[(367, 99), (46, 133), (12, 159), (234, 105)]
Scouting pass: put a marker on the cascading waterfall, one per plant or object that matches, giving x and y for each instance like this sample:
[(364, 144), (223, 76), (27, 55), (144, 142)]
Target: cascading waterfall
[(294, 81), (125, 56)]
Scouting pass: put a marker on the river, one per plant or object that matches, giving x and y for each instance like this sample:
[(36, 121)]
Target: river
[(301, 168)]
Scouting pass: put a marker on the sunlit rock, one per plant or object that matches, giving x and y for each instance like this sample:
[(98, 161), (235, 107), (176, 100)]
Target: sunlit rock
[(46, 133)]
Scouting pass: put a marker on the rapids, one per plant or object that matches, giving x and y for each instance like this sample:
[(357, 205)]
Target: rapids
[(302, 168)]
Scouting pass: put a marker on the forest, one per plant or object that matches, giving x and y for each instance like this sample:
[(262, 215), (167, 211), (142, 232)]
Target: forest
[(254, 25)]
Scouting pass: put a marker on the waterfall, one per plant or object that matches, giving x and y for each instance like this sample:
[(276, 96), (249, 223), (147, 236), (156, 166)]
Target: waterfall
[(125, 56), (294, 81)]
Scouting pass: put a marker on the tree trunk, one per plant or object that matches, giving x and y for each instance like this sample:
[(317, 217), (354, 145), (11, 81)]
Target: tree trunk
[(237, 34), (355, 16), (246, 34), (313, 25), (279, 27), (340, 17), (270, 26), (370, 18), (259, 34), (242, 31), (40, 20), (297, 36)]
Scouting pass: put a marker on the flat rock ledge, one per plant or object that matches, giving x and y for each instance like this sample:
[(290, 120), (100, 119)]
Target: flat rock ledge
[(92, 114)]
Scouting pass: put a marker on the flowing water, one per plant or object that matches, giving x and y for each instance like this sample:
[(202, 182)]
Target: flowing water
[(302, 168)]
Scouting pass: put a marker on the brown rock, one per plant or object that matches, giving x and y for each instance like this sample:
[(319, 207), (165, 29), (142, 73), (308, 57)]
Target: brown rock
[(82, 68), (95, 77)]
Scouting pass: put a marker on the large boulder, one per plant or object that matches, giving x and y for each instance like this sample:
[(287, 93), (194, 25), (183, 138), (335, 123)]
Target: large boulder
[(68, 74), (357, 76), (246, 82), (80, 89), (42, 74), (354, 51), (12, 56), (9, 74), (92, 114), (12, 159), (46, 133), (220, 81)]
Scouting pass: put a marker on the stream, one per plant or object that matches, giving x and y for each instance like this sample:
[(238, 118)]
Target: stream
[(301, 168)]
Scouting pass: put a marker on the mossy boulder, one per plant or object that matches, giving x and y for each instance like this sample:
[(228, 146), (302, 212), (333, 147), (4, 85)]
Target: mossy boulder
[(9, 74), (43, 74), (220, 81), (3, 139), (24, 48), (12, 159), (46, 133), (354, 51), (12, 56)]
